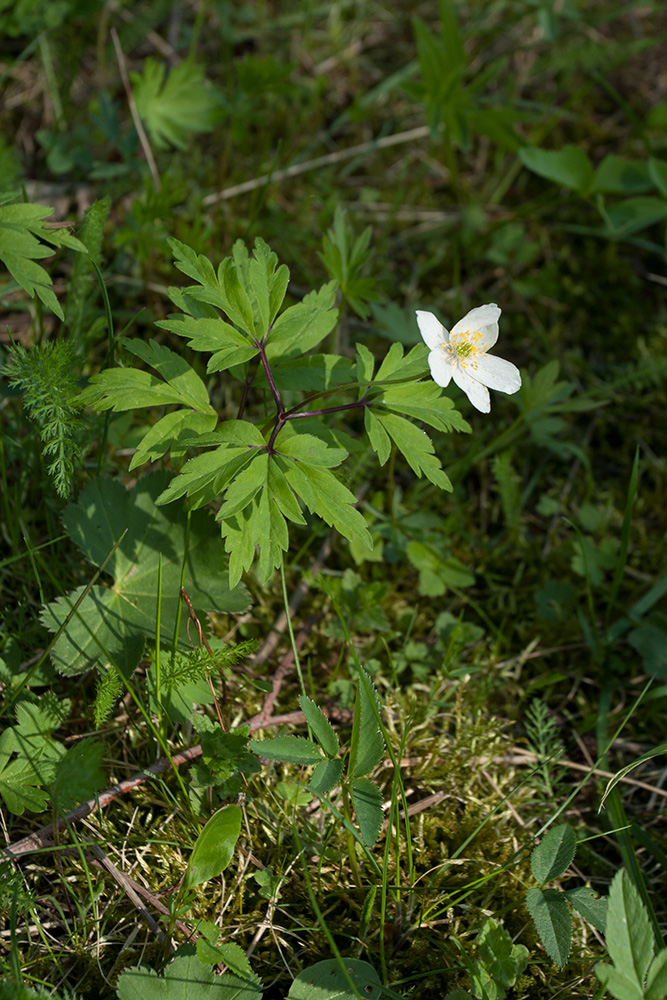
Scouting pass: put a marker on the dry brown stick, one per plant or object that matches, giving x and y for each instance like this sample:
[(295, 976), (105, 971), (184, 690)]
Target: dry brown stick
[(525, 757), (421, 132), (126, 884), (143, 138)]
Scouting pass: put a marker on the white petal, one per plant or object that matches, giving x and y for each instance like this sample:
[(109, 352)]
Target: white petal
[(498, 374), (441, 367), (433, 332), (477, 393), (484, 320)]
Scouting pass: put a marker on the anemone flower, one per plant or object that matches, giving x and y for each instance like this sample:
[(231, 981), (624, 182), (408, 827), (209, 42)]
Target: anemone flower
[(461, 354)]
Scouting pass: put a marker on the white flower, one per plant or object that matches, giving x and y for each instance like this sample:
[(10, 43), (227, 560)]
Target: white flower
[(461, 354)]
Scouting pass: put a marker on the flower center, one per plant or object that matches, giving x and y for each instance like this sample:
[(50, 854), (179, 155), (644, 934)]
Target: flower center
[(465, 349)]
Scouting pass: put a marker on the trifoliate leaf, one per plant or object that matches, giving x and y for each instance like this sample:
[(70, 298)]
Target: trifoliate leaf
[(111, 623)]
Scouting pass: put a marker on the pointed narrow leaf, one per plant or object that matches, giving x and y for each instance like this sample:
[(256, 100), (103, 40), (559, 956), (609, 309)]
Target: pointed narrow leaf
[(289, 749), (367, 802), (322, 729)]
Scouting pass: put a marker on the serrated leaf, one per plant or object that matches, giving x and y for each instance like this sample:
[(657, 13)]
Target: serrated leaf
[(326, 981), (288, 749), (628, 935), (169, 433), (322, 729), (173, 109), (656, 984), (18, 781), (23, 240), (78, 776), (554, 854), (111, 623), (417, 448), (377, 435), (186, 978), (324, 495), (367, 743), (423, 401), (553, 923), (214, 846), (305, 324), (619, 985), (367, 802), (325, 776), (591, 907)]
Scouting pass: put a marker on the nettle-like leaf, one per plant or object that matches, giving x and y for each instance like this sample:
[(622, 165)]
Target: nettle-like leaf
[(554, 854), (188, 978), (110, 623), (173, 109), (25, 239), (79, 775), (553, 922), (223, 753)]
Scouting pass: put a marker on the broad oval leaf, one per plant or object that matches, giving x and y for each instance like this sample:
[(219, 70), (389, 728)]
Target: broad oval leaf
[(215, 846), (628, 937), (326, 981)]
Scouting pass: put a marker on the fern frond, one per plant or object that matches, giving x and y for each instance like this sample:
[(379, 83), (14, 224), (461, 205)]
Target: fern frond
[(47, 377), (109, 689)]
